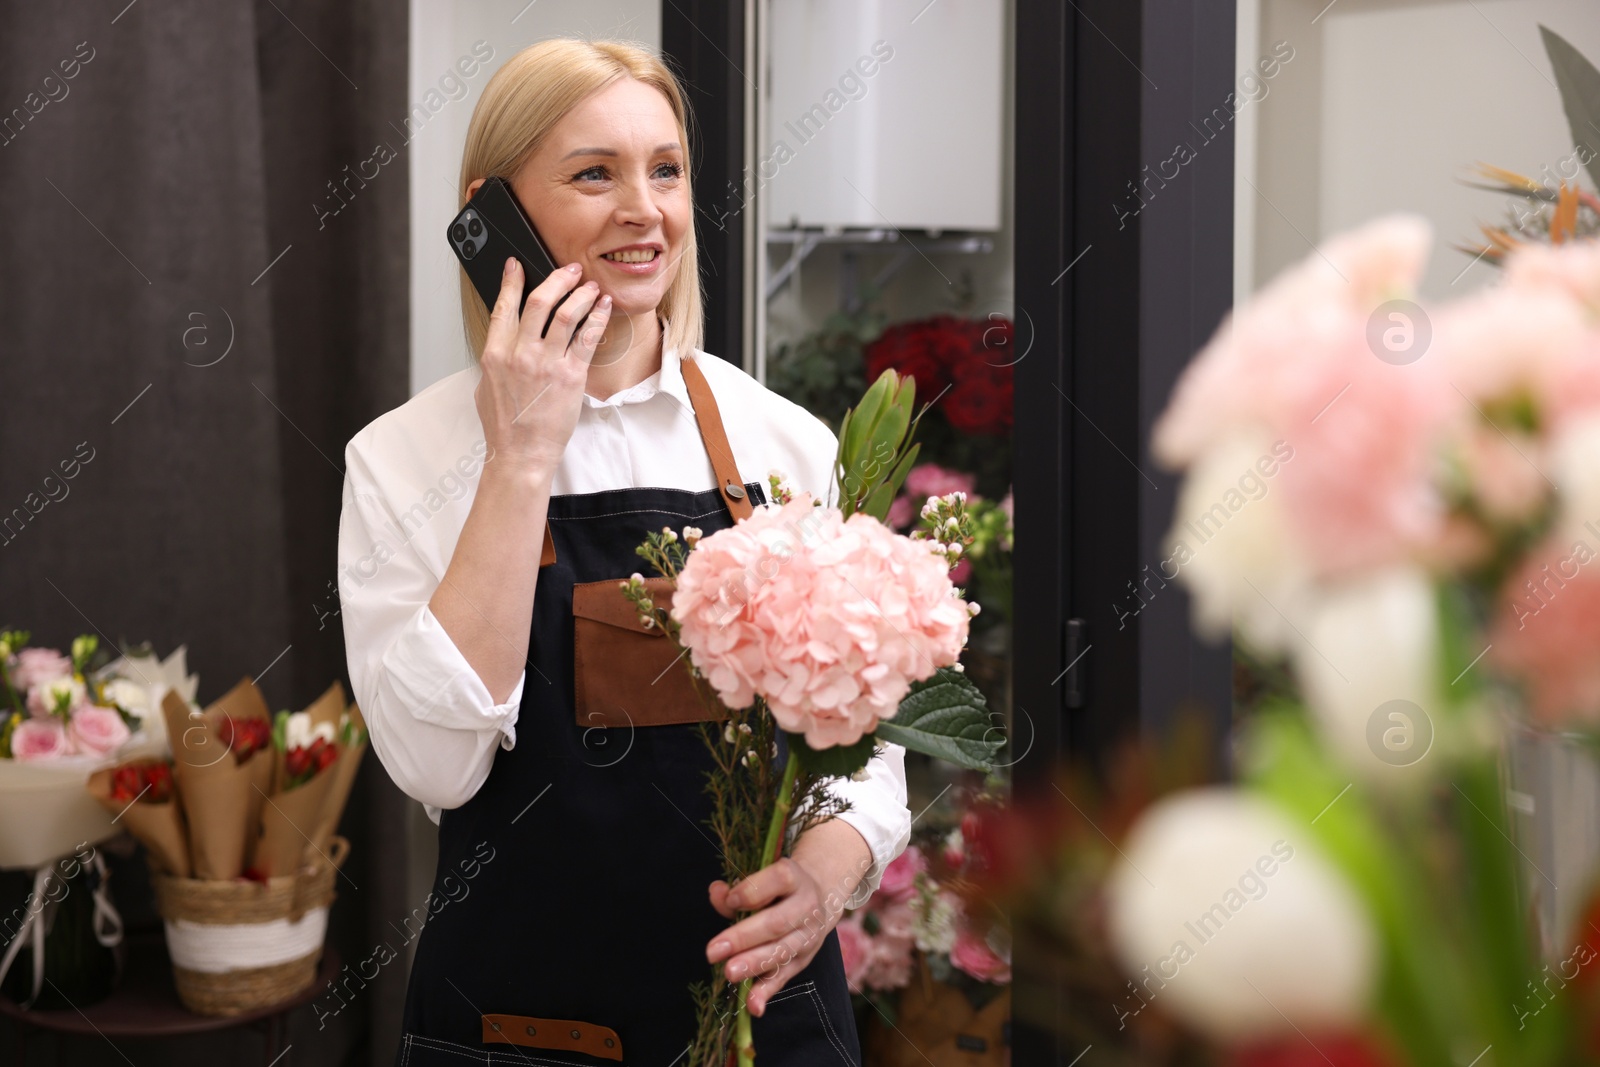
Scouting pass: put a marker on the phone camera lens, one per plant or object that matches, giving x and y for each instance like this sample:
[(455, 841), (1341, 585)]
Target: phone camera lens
[(469, 249), (475, 227), (459, 232)]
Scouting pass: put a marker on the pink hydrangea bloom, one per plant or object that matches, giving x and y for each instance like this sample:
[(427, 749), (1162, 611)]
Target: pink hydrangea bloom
[(34, 665), (830, 620), (96, 730), (39, 739)]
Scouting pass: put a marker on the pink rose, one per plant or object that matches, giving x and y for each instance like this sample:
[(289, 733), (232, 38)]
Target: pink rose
[(855, 946), (899, 881), (902, 513), (34, 665), (892, 948), (98, 731), (930, 479), (39, 739), (973, 955)]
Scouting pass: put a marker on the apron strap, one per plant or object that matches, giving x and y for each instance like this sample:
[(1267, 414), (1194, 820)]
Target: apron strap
[(709, 419)]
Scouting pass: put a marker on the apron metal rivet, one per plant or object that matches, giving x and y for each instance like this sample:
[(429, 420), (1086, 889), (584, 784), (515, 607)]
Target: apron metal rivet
[(532, 1031), (576, 1035), (611, 1042), (735, 490), (495, 1027)]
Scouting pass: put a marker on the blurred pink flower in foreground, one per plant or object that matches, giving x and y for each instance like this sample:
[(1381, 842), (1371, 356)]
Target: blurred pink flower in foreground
[(1547, 629), (1299, 363), (35, 665)]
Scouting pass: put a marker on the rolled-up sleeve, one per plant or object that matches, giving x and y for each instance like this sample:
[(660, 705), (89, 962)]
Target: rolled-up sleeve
[(433, 723)]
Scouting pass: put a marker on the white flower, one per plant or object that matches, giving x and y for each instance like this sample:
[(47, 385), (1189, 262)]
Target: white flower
[(1370, 652), (1219, 903), (727, 734), (1244, 567), (667, 535), (744, 728), (1573, 457), (859, 776), (300, 732), (935, 927), (691, 534)]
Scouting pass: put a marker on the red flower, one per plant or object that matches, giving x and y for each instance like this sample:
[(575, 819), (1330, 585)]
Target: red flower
[(244, 737), (906, 349), (980, 402), (131, 781), (305, 762), (1318, 1050)]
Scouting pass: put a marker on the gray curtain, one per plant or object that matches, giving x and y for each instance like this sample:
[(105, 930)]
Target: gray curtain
[(203, 295)]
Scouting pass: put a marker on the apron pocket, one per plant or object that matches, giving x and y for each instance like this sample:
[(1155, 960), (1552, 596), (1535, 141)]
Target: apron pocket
[(623, 673), (797, 1023)]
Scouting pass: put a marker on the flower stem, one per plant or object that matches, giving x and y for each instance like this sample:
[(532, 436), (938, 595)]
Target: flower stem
[(743, 1043)]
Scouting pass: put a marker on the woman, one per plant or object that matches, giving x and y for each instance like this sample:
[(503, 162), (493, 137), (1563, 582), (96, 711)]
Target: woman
[(577, 892)]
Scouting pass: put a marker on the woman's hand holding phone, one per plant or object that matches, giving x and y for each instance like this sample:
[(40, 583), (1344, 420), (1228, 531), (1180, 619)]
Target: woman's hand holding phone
[(532, 386)]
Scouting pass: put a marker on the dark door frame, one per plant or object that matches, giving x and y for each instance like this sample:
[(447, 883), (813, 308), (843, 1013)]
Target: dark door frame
[(704, 41), (1123, 271)]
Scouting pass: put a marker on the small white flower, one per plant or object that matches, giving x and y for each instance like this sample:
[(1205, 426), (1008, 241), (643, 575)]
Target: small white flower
[(744, 728), (667, 535), (727, 733), (973, 607), (859, 776), (955, 548), (648, 622), (691, 535), (959, 667), (774, 750)]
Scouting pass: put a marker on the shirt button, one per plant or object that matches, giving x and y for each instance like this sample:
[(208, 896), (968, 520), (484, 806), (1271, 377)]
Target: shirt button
[(605, 413)]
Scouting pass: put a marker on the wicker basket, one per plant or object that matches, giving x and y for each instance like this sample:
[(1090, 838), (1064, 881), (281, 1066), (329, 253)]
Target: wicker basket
[(237, 945)]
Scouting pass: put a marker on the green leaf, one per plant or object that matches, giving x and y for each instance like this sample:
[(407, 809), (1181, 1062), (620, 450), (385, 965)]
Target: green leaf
[(1579, 83), (946, 716), (831, 762)]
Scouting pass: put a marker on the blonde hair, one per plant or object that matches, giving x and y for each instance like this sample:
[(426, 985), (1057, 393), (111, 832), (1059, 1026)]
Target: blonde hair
[(519, 106)]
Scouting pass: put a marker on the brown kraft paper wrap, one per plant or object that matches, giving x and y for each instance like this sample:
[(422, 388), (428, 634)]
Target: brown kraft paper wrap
[(244, 701), (287, 823), (213, 789), (343, 773), (158, 825)]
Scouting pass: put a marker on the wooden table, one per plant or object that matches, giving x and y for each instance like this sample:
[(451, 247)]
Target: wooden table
[(145, 1006)]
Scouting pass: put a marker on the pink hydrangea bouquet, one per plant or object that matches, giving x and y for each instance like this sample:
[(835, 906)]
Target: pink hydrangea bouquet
[(828, 625)]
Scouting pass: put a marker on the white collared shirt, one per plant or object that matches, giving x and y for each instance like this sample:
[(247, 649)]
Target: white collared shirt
[(410, 478)]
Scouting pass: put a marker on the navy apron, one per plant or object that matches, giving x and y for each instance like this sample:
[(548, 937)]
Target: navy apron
[(586, 907)]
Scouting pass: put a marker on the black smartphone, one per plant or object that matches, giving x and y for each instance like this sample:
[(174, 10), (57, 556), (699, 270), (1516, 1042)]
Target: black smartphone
[(491, 228)]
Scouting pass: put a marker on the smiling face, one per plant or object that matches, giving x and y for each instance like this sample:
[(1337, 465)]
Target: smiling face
[(608, 190)]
